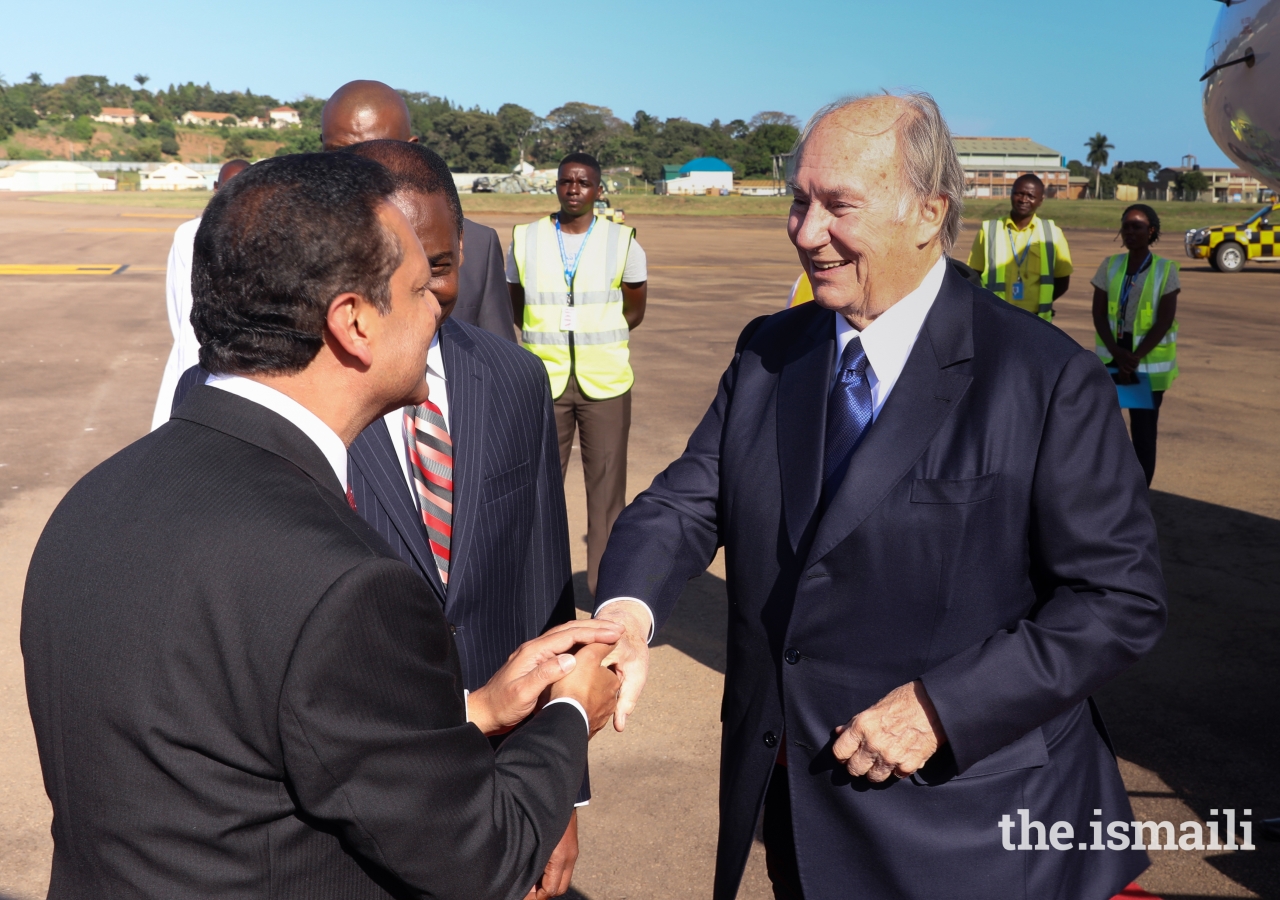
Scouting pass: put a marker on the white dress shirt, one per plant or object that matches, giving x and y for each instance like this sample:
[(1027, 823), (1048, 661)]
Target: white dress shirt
[(439, 396), (887, 342), (308, 422), (186, 349), (327, 440)]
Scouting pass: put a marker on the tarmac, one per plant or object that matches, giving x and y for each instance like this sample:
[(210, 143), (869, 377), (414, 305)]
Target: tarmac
[(1196, 725)]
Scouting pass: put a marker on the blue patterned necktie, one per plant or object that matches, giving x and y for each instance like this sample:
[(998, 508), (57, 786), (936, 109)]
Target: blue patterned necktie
[(848, 416)]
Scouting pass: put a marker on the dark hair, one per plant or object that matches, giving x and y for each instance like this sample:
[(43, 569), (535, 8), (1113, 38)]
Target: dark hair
[(583, 159), (1153, 218), (414, 167), (275, 246), (1029, 176)]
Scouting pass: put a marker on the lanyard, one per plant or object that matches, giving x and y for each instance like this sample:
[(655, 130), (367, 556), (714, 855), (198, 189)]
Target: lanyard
[(1013, 248), (570, 271), (1127, 288)]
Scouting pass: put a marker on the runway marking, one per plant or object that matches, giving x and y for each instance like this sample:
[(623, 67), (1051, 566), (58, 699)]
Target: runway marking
[(102, 269), (98, 230), (157, 216)]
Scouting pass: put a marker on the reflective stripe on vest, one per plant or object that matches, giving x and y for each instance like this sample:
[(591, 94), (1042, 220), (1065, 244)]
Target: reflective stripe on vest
[(1000, 257), (1161, 364), (596, 353)]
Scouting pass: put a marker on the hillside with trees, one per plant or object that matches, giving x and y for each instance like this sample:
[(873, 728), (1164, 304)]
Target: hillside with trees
[(39, 120)]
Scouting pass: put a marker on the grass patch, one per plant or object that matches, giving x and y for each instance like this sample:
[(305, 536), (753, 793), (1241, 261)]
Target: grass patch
[(152, 199), (1175, 217), (634, 204)]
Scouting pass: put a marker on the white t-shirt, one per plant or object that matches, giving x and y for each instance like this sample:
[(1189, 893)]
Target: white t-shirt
[(635, 271)]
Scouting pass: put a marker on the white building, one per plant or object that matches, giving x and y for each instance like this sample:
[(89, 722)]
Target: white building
[(284, 116), (53, 175), (172, 177), (120, 115), (992, 164), (193, 117), (704, 175)]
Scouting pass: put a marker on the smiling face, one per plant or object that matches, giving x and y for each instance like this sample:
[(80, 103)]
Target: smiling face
[(1026, 198), (862, 248), (433, 223)]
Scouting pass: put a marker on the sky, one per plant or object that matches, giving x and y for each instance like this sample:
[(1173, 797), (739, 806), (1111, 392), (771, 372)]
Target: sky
[(1055, 72)]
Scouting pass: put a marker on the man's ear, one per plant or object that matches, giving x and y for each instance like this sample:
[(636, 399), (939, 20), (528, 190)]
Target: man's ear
[(932, 213), (350, 323), (461, 254), (413, 139)]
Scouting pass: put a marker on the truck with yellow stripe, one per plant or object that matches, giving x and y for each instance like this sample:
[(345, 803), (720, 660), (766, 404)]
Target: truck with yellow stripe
[(1229, 247)]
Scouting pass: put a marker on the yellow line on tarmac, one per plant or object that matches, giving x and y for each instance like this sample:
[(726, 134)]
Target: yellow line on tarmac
[(98, 230), (103, 269), (156, 216)]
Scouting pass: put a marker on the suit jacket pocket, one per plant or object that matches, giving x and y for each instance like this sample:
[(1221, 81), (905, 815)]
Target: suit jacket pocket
[(498, 486), (958, 490), (1027, 752)]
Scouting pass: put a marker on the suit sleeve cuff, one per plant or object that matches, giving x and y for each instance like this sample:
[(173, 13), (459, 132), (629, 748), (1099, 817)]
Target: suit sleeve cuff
[(647, 610), (576, 705)]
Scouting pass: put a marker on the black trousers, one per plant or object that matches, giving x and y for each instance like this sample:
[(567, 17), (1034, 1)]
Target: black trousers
[(779, 839), (1142, 427)]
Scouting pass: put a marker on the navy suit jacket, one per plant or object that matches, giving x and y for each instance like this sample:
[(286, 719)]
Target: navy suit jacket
[(483, 298), (992, 537)]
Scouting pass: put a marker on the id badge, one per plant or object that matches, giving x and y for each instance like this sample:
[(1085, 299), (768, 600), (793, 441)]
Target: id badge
[(569, 318), (1017, 290)]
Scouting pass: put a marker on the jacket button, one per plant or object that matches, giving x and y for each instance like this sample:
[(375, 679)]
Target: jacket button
[(792, 656), (453, 629), (770, 739)]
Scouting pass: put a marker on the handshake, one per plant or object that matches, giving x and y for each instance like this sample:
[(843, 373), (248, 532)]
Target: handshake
[(566, 662)]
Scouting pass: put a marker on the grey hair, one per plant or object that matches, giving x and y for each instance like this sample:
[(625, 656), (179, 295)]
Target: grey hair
[(930, 167)]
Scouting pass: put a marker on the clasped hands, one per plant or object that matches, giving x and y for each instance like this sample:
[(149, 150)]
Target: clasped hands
[(550, 662)]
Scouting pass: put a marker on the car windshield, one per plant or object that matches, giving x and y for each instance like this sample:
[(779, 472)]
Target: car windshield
[(1258, 215)]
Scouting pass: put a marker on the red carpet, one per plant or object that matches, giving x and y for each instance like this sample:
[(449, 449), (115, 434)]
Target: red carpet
[(1133, 892)]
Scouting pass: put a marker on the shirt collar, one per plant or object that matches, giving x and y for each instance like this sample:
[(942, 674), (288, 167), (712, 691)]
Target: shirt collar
[(1012, 226), (324, 437), (888, 340), (435, 358)]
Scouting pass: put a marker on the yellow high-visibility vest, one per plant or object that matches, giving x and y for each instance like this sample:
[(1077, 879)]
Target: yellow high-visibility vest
[(1000, 257), (1161, 364), (596, 351)]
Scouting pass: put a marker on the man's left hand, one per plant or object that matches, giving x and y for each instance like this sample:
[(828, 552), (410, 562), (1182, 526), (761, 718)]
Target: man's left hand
[(559, 871), (894, 737)]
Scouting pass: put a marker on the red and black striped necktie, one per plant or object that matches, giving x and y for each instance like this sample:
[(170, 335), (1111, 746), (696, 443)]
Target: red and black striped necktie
[(431, 459)]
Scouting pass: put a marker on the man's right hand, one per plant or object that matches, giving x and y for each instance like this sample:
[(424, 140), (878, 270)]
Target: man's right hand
[(630, 656), (592, 684), (512, 693)]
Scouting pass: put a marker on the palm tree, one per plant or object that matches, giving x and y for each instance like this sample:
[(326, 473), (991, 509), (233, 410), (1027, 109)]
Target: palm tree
[(1097, 158), (142, 80)]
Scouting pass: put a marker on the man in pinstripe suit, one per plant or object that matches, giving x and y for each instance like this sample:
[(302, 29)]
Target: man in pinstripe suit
[(483, 518)]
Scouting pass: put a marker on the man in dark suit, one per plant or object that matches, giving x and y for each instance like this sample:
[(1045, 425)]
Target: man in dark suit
[(505, 575), (369, 111), (938, 545), (237, 688)]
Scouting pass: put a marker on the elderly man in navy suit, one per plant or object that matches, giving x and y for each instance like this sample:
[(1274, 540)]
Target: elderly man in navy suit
[(938, 546)]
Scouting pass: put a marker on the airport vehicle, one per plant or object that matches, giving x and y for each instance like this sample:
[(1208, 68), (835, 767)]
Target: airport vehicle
[(604, 209), (1241, 102), (1229, 247), (482, 185)]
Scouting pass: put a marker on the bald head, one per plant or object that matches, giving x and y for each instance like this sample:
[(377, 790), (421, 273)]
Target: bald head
[(230, 169), (364, 111)]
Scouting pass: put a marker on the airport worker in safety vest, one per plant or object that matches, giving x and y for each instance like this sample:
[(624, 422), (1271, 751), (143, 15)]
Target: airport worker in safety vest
[(1023, 258), (578, 289), (1135, 305)]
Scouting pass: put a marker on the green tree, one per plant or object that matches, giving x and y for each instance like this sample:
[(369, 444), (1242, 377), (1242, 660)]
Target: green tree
[(236, 147), (147, 151), (1097, 157), (1135, 172), (1193, 183), (515, 126), (142, 80), (79, 129)]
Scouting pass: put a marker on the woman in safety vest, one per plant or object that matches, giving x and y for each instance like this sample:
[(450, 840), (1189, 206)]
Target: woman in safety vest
[(1135, 304)]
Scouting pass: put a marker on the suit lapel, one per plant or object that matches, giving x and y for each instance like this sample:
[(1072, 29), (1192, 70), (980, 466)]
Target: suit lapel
[(376, 458), (923, 398), (802, 412), (467, 378)]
